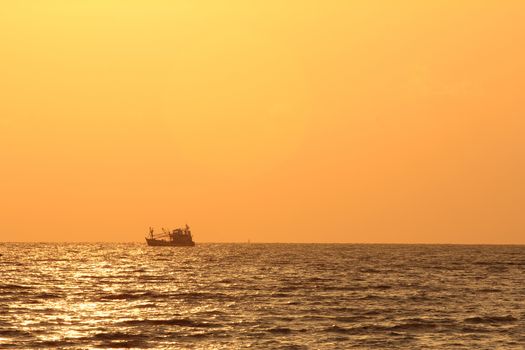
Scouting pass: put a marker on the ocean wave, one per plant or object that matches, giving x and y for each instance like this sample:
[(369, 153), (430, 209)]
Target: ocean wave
[(53, 344), (349, 319), (123, 344), (202, 295), (471, 329), (135, 295), (117, 336), (381, 287), (183, 322), (280, 330), (414, 325), (131, 296), (489, 290), (491, 319), (47, 295), (337, 329), (16, 287), (13, 333)]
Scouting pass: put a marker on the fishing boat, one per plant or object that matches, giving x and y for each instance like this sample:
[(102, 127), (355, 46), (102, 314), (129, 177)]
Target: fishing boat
[(179, 237)]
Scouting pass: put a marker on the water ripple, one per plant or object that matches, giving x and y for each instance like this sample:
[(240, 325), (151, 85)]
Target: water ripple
[(261, 296)]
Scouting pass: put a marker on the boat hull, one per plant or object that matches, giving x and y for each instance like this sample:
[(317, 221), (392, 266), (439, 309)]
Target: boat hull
[(163, 243)]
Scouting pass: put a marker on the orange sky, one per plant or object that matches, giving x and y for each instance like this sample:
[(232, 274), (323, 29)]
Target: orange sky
[(301, 121)]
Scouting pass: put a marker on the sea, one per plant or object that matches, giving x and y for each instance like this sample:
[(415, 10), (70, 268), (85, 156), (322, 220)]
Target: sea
[(261, 296)]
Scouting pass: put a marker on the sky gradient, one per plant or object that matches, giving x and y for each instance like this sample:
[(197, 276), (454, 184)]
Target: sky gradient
[(269, 121)]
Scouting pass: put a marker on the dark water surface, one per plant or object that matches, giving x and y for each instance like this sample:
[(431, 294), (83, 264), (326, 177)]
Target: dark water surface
[(263, 296)]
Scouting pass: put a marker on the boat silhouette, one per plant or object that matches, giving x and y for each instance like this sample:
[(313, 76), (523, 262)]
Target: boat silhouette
[(179, 237)]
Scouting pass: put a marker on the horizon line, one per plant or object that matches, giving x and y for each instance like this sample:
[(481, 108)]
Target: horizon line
[(261, 242)]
